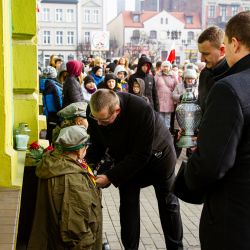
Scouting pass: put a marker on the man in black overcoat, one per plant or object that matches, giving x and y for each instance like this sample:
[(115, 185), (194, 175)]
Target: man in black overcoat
[(219, 170), (143, 153)]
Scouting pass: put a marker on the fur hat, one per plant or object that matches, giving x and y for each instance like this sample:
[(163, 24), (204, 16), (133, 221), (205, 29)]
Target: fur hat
[(50, 72), (73, 138), (190, 73), (73, 110)]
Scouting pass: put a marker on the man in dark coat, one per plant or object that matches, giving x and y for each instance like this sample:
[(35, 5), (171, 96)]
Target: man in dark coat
[(211, 47), (143, 69), (220, 167), (143, 154)]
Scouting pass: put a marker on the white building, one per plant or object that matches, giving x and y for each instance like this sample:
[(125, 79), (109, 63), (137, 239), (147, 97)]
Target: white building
[(153, 33), (65, 28)]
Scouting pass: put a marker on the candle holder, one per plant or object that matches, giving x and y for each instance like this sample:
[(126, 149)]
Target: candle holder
[(22, 136), (188, 115)]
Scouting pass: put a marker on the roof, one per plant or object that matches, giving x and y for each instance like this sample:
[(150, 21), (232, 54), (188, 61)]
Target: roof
[(182, 17), (128, 21), (60, 1)]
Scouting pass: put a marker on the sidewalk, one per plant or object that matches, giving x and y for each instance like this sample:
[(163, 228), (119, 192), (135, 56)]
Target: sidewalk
[(151, 233)]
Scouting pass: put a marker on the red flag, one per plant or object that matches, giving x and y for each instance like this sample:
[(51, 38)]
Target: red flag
[(171, 55)]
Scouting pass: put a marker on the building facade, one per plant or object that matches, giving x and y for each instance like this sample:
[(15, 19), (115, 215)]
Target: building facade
[(66, 27), (219, 12), (58, 34), (168, 5), (154, 33)]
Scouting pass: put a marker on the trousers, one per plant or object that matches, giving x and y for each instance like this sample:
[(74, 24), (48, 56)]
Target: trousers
[(159, 173)]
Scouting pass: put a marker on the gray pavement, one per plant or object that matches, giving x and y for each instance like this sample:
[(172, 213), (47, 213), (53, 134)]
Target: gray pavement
[(151, 233)]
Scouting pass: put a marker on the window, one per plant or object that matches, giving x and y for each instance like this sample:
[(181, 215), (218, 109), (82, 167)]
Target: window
[(95, 16), (174, 35), (247, 8), (46, 37), (211, 11), (70, 37), (223, 11), (161, 20), (166, 21), (136, 18), (59, 15), (153, 34), (70, 15), (86, 37), (190, 35), (189, 19), (91, 16), (59, 37), (136, 33), (235, 10), (46, 14)]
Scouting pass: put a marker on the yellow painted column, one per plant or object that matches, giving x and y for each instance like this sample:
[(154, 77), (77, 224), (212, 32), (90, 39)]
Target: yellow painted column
[(18, 83)]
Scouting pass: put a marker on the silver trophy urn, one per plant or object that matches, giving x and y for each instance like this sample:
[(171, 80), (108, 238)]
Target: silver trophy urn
[(188, 115)]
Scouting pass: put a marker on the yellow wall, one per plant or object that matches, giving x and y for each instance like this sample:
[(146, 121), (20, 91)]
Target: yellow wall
[(18, 82)]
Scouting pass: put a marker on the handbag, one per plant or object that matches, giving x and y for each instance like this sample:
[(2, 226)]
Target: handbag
[(181, 190)]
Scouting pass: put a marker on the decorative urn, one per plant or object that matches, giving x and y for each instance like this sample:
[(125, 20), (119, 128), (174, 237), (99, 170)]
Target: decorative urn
[(188, 115)]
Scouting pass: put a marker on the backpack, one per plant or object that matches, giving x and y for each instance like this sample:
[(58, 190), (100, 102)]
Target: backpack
[(50, 98)]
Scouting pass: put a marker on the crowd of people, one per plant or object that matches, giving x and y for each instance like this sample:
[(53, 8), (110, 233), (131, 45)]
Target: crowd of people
[(96, 108)]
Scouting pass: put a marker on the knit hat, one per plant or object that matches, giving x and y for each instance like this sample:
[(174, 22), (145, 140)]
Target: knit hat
[(88, 79), (50, 72), (190, 73), (95, 69), (73, 138), (74, 68), (73, 110), (166, 63), (110, 76)]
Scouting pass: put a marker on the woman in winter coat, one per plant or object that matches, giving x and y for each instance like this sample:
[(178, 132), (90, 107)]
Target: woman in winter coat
[(72, 91), (190, 81), (165, 82), (68, 208)]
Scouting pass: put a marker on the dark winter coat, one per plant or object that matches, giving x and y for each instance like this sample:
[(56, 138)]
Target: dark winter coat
[(220, 168), (52, 100), (150, 88), (68, 208), (207, 79), (72, 91), (135, 136)]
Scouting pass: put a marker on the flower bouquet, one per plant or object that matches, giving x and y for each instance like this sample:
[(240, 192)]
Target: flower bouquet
[(35, 153)]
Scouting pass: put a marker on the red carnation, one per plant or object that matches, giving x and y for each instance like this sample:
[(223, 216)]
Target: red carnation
[(49, 148), (34, 145)]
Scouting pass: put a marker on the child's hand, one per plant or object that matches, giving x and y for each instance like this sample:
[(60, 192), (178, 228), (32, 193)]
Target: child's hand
[(102, 180)]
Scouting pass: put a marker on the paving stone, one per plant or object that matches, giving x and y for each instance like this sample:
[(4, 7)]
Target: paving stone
[(151, 232)]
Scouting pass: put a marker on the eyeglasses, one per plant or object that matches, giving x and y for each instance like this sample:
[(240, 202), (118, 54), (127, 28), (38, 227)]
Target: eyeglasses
[(101, 120)]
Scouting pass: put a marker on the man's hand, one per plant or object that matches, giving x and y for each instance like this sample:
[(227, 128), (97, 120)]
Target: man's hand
[(102, 181)]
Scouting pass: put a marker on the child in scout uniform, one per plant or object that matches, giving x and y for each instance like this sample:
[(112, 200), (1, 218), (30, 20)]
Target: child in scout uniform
[(68, 207), (73, 114)]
